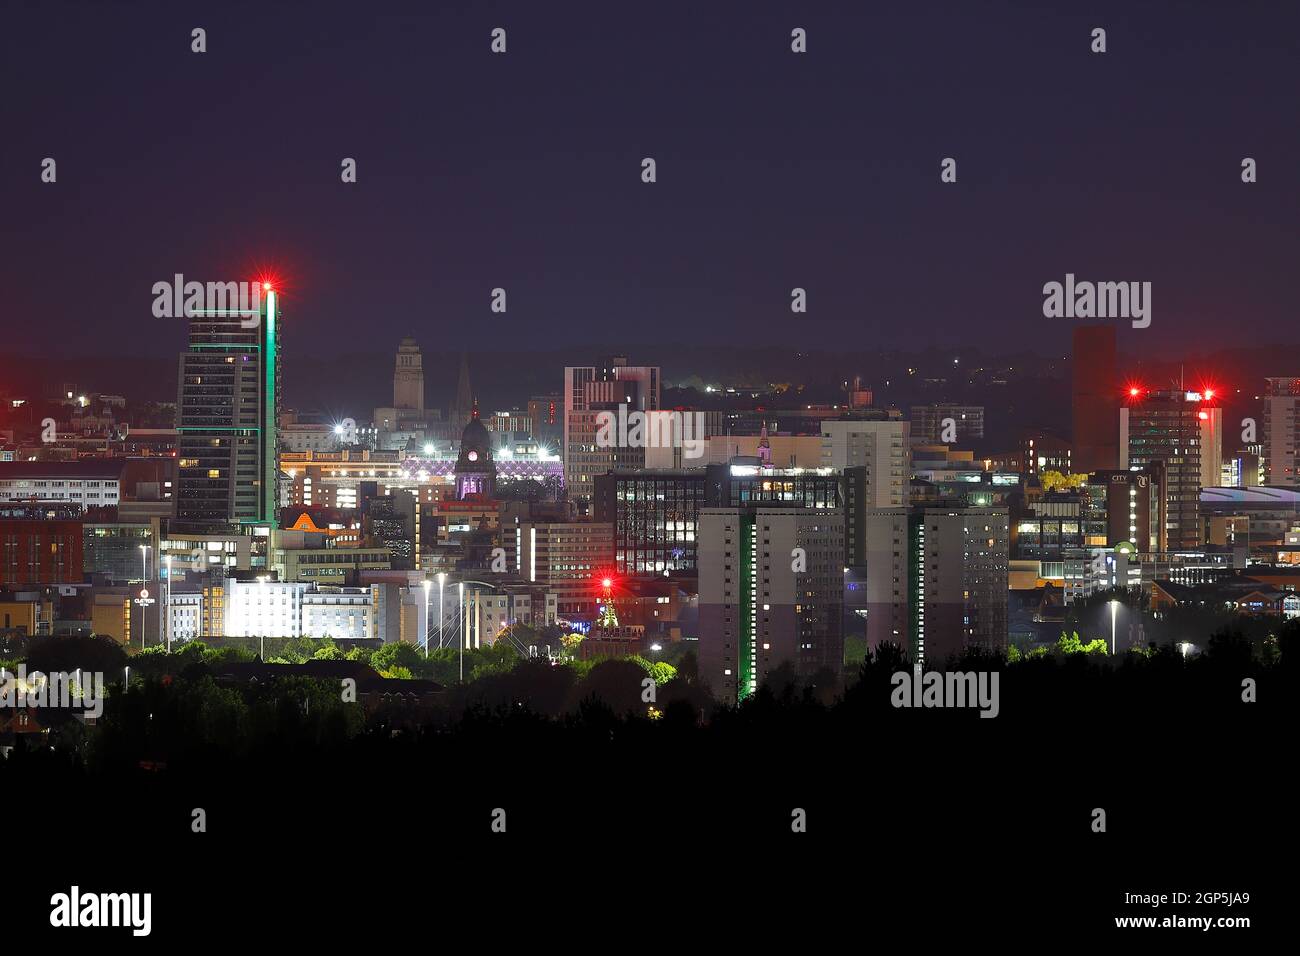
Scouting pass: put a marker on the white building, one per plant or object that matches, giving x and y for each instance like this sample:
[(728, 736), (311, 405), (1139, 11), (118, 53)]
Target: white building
[(185, 615), (881, 447), (298, 437), (294, 609), (488, 612), (91, 483), (1282, 432)]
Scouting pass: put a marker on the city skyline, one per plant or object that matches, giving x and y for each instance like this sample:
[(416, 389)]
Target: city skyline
[(799, 444)]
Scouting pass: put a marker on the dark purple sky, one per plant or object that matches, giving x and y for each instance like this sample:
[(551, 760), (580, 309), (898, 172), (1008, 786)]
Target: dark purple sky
[(775, 170)]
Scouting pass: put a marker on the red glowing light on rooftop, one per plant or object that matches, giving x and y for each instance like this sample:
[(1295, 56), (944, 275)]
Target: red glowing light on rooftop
[(1134, 392), (606, 582), (266, 287)]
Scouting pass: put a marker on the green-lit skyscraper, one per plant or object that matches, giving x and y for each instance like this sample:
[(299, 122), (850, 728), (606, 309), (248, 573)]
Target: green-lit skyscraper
[(228, 414)]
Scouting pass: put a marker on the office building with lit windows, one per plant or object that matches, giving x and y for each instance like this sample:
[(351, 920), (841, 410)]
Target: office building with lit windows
[(655, 513), (568, 558), (937, 579), (1282, 432), (228, 415), (1166, 427), (771, 593), (589, 390)]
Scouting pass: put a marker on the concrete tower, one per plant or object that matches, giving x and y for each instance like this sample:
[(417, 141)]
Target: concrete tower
[(408, 378)]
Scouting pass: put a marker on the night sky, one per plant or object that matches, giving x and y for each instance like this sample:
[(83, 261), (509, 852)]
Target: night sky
[(775, 170)]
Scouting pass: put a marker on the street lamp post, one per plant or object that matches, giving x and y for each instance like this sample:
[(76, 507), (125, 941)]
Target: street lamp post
[(1114, 606), (167, 605), (442, 577), (427, 585), (460, 629), (144, 577)]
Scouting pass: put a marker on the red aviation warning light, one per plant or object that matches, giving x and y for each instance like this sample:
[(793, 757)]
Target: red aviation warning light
[(606, 583)]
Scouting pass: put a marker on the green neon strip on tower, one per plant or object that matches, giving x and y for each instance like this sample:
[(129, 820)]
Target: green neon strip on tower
[(747, 651), (270, 455)]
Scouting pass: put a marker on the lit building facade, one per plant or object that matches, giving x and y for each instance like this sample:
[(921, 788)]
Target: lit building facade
[(1165, 427), (937, 579), (588, 390), (881, 448), (771, 592), (1282, 432), (228, 413), (655, 514), (568, 558)]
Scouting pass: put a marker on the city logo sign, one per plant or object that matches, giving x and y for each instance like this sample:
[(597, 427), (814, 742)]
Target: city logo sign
[(73, 909), (953, 689), (662, 429), (189, 299), (1098, 300), (57, 689)]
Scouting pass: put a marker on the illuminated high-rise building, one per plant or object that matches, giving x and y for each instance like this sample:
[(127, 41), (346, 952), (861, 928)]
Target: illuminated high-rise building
[(228, 412), (937, 578), (587, 392), (760, 609), (1282, 432), (1165, 427)]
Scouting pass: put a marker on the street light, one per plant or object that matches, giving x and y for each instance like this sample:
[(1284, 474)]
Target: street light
[(144, 576), (442, 577), (1114, 605), (460, 629), (167, 605), (427, 585)]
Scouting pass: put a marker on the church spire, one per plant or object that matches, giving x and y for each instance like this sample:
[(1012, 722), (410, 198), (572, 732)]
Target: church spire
[(462, 406)]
